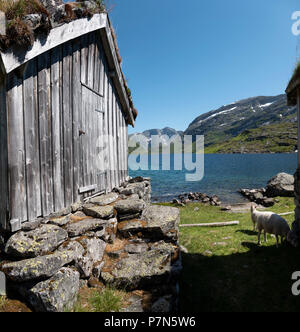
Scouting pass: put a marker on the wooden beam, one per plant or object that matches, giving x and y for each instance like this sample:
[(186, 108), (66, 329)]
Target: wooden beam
[(87, 189), (216, 224), (2, 23), (2, 284), (298, 108)]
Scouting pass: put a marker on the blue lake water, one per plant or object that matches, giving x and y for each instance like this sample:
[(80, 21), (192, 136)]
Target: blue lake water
[(223, 176)]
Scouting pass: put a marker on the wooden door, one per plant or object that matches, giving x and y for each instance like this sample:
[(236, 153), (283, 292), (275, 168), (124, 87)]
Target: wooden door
[(93, 155)]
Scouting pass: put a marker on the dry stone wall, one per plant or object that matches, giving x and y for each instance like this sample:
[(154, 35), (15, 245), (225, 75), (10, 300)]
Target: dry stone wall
[(118, 239), (295, 236)]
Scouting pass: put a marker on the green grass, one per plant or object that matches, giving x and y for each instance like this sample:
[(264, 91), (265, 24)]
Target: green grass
[(297, 69), (108, 300), (2, 302), (225, 269)]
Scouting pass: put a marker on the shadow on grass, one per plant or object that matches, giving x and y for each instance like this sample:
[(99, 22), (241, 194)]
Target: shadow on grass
[(256, 281), (247, 232)]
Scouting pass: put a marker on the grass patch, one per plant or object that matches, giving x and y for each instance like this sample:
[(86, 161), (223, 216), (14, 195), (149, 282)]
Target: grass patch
[(225, 269), (20, 8), (17, 31), (297, 69), (92, 300), (2, 302)]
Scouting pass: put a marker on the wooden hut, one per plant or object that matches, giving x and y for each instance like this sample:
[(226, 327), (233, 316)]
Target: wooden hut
[(57, 99), (293, 96)]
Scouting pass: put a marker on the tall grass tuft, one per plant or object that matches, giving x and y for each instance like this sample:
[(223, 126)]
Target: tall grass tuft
[(18, 9)]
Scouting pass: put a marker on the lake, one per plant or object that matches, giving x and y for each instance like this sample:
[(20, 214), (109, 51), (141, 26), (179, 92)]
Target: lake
[(224, 174)]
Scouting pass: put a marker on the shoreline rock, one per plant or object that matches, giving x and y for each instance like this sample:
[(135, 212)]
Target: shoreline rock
[(281, 185), (184, 199)]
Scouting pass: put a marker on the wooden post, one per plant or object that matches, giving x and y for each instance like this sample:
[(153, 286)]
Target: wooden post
[(2, 23), (2, 284), (298, 107)]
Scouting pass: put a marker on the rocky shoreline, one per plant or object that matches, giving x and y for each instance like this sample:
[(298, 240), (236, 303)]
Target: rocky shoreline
[(184, 199), (280, 185)]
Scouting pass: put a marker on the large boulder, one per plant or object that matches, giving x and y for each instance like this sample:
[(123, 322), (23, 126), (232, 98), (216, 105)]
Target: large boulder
[(130, 208), (157, 223), (78, 228), (281, 185), (141, 271), (94, 251), (101, 212), (51, 5), (105, 199), (134, 188), (34, 243), (57, 294), (37, 268)]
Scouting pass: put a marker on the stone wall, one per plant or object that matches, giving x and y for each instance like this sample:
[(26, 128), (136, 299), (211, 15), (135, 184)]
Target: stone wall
[(296, 224), (118, 239)]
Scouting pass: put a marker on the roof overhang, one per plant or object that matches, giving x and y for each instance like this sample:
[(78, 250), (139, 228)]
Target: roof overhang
[(293, 90), (16, 57)]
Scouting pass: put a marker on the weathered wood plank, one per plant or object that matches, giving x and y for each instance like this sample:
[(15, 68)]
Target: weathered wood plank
[(16, 149), (298, 108), (119, 148), (105, 129), (123, 142), (102, 67), (101, 178), (67, 123), (111, 138), (45, 124), (31, 128), (4, 157), (87, 189), (115, 139), (76, 117), (126, 152), (82, 147), (97, 62), (91, 107), (56, 107)]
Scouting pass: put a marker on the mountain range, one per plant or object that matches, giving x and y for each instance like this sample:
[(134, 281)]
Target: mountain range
[(258, 124)]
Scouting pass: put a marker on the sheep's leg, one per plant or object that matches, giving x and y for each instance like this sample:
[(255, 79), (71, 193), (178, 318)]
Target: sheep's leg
[(277, 240), (265, 237), (259, 233)]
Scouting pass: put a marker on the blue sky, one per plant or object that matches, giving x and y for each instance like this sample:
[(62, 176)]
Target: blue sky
[(185, 58)]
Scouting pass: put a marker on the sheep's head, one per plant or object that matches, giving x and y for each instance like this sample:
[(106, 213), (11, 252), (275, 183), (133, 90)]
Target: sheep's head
[(253, 207), (293, 239)]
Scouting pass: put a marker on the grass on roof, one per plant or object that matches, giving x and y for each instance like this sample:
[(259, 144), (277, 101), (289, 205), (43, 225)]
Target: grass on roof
[(297, 69), (20, 8)]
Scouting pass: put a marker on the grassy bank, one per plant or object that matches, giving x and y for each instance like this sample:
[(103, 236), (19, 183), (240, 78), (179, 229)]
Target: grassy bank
[(225, 269)]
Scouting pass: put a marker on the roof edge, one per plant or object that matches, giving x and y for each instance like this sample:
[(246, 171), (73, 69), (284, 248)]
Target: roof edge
[(292, 89)]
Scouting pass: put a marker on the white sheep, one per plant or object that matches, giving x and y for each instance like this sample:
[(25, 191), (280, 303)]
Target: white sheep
[(270, 223)]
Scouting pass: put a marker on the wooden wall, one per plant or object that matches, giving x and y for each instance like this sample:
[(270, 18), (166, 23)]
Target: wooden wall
[(3, 155), (57, 109)]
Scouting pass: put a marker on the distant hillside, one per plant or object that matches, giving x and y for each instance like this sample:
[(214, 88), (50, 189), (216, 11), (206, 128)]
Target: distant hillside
[(253, 125), (276, 138), (164, 135), (234, 119)]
